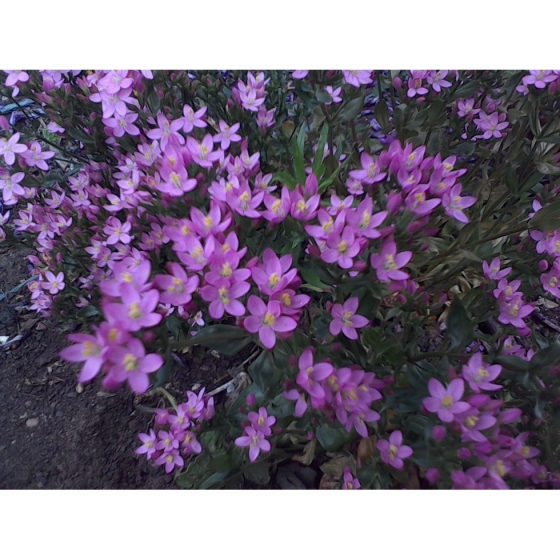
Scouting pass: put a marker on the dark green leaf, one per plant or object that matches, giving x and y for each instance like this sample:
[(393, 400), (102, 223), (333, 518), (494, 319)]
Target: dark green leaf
[(313, 281), (548, 168), (163, 374), (286, 179), (221, 464), (547, 218), (330, 438), (323, 97), (226, 339), (299, 165), (459, 327), (352, 108), (258, 473), (381, 114), (318, 159)]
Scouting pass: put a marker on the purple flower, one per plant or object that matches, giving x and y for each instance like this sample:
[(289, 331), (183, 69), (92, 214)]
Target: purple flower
[(148, 444), (346, 320), (392, 451), (255, 440), (310, 375), (350, 482), (446, 402), (262, 421), (388, 264), (267, 320), (479, 374), (9, 148)]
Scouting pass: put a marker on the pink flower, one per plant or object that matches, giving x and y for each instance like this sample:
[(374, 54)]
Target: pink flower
[(513, 312), (364, 221), (88, 350), (350, 482), (265, 119), (388, 264), (177, 288), (262, 421), (310, 375), (446, 402), (166, 130), (370, 172), (274, 274), (346, 320), (123, 125), (170, 460), (117, 231), (454, 203), (342, 248), (130, 363), (267, 320), (193, 119), (357, 77), (299, 74), (148, 446), (9, 148), (54, 284), (227, 135), (34, 157), (392, 451), (335, 94), (492, 271), (255, 440), (479, 374), (136, 309), (225, 299)]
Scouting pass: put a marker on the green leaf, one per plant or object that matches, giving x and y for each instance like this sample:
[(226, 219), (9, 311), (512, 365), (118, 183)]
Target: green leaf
[(221, 464), (263, 371), (81, 135), (258, 473), (162, 375), (323, 97), (531, 182), (548, 168), (154, 102), (352, 109), (225, 339), (545, 358), (513, 363), (330, 438), (459, 327), (381, 114), (547, 218), (552, 139), (318, 159), (314, 282), (299, 165), (213, 479), (285, 178)]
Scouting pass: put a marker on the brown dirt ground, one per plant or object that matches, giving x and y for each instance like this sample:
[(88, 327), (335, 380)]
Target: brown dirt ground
[(57, 438)]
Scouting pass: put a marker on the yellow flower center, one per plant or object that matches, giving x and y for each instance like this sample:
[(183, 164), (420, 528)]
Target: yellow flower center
[(223, 294), (273, 280), (226, 270), (366, 218), (208, 222), (390, 262), (134, 310), (130, 362), (276, 205), (301, 206), (447, 401), (346, 318), (286, 299), (471, 421), (392, 451), (342, 247), (268, 319)]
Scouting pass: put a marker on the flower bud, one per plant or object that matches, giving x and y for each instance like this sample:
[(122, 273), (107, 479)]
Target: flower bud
[(510, 415), (463, 453), (432, 475), (148, 337), (439, 433), (420, 100), (543, 265), (397, 82), (336, 347), (251, 399)]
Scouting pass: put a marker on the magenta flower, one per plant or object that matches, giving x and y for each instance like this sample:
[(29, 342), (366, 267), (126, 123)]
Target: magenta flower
[(491, 126), (310, 375), (35, 157), (492, 271), (170, 460), (117, 231), (123, 125), (454, 203), (54, 284), (177, 288), (392, 451), (167, 442), (299, 74), (190, 444), (446, 402), (130, 363), (342, 248), (165, 131), (227, 135), (192, 119), (513, 312), (346, 320), (9, 148), (88, 350), (301, 403), (136, 309), (350, 482), (255, 440), (148, 446), (202, 152), (267, 320), (274, 274), (474, 422), (437, 80), (225, 299), (265, 119), (388, 264), (335, 94), (364, 221), (262, 421), (357, 77), (479, 374), (370, 172)]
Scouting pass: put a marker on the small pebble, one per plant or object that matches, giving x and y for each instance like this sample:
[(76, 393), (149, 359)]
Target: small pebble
[(32, 422)]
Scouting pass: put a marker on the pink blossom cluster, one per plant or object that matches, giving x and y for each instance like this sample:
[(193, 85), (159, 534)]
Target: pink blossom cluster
[(176, 437), (540, 79), (345, 393), (252, 95), (255, 434), (488, 441), (489, 122), (421, 81), (512, 307)]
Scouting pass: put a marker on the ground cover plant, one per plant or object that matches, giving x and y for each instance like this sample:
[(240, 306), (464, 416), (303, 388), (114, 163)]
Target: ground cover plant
[(382, 239)]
